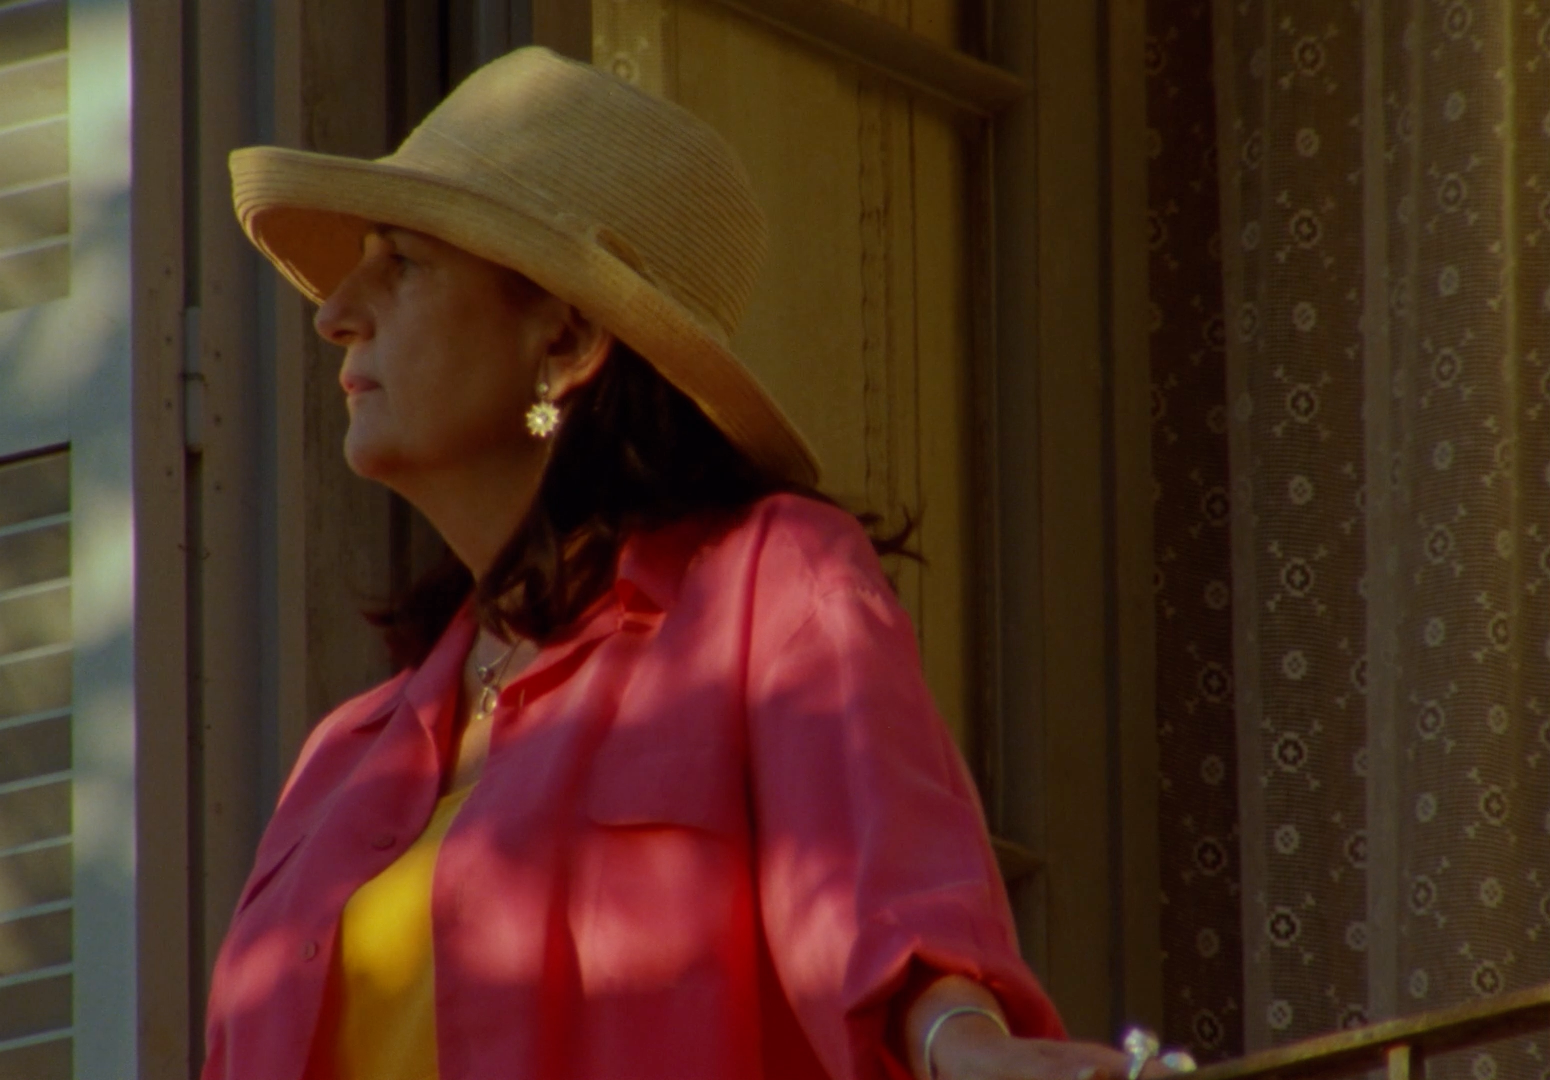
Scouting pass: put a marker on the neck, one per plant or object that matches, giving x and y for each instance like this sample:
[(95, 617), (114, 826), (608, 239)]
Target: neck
[(475, 509)]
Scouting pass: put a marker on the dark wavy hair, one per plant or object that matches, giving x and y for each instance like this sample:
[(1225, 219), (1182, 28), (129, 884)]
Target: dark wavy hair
[(633, 453)]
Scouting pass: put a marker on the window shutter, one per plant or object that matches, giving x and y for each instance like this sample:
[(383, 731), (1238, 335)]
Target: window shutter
[(36, 888), (34, 153)]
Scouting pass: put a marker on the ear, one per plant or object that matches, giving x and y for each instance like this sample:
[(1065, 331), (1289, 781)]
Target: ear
[(576, 353)]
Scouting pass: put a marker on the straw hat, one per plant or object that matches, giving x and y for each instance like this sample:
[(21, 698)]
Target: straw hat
[(613, 200)]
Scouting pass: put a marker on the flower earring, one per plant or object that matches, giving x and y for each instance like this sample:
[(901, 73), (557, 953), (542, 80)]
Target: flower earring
[(543, 417)]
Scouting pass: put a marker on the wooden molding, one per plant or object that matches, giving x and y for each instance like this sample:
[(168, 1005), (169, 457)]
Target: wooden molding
[(1427, 1034), (166, 994), (1130, 638), (901, 55)]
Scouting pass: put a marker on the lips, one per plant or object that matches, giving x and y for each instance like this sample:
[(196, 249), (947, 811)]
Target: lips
[(355, 383)]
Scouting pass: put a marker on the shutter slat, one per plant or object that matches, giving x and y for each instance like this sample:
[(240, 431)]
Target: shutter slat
[(35, 1007), (32, 718), (41, 1057), (34, 90), (35, 277), (37, 487), (35, 749), (34, 845), (37, 876), (34, 555), (33, 814), (34, 618), (32, 942), (33, 155), (34, 783), (23, 528), (35, 681), (33, 215), (30, 30)]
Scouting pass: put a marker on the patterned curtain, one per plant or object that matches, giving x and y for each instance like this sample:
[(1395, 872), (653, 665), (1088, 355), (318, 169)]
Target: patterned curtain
[(1384, 278)]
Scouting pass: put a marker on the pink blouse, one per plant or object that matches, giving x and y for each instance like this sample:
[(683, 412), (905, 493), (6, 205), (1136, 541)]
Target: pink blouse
[(716, 825)]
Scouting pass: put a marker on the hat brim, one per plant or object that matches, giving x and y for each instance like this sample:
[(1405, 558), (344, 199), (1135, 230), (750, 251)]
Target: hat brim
[(308, 213)]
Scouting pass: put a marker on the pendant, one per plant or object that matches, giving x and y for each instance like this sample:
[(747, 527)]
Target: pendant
[(490, 680)]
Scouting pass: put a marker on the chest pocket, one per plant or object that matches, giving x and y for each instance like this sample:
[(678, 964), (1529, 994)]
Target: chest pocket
[(642, 786)]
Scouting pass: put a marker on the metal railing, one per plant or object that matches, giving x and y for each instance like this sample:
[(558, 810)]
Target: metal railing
[(1398, 1047)]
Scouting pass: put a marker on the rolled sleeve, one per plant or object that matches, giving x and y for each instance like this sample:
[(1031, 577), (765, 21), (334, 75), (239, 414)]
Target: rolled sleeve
[(871, 844)]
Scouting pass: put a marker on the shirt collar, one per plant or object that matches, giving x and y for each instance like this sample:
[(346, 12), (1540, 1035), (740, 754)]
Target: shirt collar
[(438, 675), (652, 566)]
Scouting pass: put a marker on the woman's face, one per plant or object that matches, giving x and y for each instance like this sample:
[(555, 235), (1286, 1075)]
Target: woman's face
[(443, 352)]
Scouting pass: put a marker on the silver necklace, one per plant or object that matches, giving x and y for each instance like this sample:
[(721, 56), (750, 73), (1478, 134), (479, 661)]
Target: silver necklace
[(489, 676)]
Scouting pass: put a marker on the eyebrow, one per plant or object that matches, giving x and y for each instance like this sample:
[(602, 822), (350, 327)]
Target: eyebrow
[(383, 232)]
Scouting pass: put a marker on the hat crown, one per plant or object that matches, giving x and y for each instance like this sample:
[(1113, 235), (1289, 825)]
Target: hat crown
[(640, 177)]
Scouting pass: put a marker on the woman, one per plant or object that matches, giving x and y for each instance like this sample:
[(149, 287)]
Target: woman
[(662, 793)]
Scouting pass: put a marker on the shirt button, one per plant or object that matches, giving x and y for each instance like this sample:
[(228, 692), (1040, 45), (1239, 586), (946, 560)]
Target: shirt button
[(382, 841), (309, 949)]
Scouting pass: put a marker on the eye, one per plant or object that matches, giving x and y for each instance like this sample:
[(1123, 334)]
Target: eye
[(397, 263), (404, 257), (377, 245)]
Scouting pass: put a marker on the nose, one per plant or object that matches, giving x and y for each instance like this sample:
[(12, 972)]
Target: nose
[(342, 318)]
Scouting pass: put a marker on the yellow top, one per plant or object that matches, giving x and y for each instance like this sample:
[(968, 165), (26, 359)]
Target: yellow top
[(386, 965)]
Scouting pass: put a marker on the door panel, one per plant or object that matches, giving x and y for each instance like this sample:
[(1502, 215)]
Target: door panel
[(943, 327)]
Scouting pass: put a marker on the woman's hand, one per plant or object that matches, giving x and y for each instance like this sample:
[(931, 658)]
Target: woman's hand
[(972, 1046), (977, 1050)]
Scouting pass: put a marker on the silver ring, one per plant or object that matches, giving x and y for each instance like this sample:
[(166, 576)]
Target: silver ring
[(1140, 1046)]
